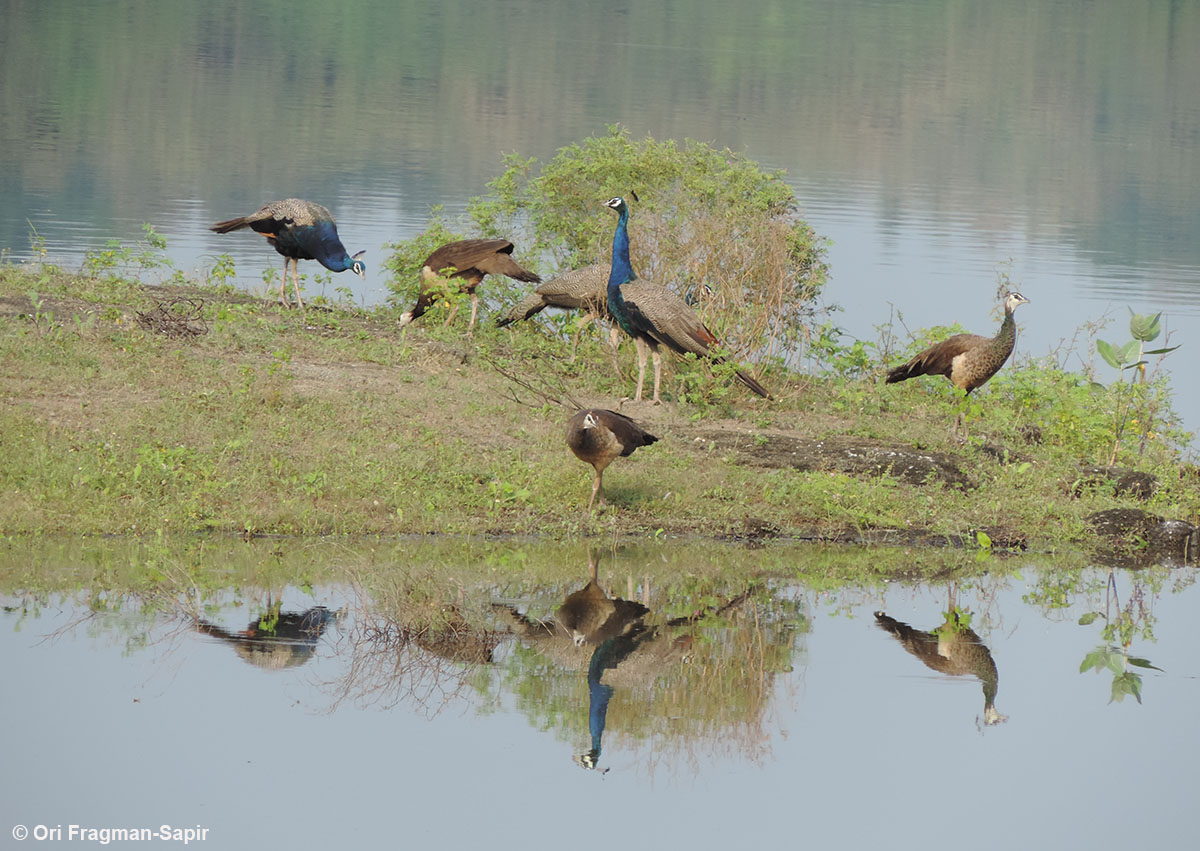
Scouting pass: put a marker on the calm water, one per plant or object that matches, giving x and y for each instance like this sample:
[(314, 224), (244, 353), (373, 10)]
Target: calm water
[(728, 701), (934, 142)]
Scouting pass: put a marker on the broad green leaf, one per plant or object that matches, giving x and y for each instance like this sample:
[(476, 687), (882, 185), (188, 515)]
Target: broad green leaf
[(1023, 466), (1129, 351), (1087, 618), (1165, 351), (1126, 684), (1094, 661), (983, 540), (1109, 353), (1144, 328), (1116, 663)]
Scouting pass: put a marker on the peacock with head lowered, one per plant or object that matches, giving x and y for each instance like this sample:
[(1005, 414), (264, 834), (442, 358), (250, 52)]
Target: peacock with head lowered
[(299, 230), (654, 316)]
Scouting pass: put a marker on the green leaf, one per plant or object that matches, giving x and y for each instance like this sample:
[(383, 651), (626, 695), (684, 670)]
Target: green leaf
[(1094, 661), (1087, 618), (1023, 466), (1109, 353), (1144, 328), (985, 542), (1116, 663), (1142, 663), (1129, 351), (1126, 684), (1134, 365), (1165, 351)]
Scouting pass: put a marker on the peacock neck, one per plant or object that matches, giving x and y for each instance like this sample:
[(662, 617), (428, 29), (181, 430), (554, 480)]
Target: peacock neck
[(621, 271)]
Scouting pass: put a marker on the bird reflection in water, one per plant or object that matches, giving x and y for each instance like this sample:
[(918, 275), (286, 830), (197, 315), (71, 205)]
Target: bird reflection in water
[(278, 639), (952, 648), (618, 636)]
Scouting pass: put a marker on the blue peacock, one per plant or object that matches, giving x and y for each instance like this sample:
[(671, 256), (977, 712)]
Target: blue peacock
[(299, 230), (654, 316)]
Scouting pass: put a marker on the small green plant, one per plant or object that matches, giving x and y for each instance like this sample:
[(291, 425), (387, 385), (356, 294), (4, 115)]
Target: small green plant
[(43, 320), (222, 273), (37, 242), (115, 256), (1138, 402), (1144, 329)]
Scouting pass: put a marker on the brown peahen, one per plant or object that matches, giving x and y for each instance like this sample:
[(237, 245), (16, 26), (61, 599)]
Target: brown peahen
[(968, 360), (654, 316), (579, 289), (299, 230), (589, 616), (471, 260), (954, 649), (598, 436)]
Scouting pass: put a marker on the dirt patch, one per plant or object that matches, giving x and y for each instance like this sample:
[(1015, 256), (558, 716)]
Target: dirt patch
[(1131, 537), (853, 456)]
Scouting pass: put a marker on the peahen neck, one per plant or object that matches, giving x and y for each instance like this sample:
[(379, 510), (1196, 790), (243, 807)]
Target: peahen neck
[(1007, 338), (621, 272)]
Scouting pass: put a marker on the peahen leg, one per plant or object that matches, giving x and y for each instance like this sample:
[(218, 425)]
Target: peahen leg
[(474, 310), (597, 489)]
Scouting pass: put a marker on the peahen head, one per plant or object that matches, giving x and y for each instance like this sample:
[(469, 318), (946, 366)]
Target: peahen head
[(1014, 300)]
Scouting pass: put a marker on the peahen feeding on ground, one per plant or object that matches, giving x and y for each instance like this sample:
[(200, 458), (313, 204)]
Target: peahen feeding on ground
[(968, 360), (598, 436), (655, 316), (299, 230), (954, 649), (471, 260), (580, 289)]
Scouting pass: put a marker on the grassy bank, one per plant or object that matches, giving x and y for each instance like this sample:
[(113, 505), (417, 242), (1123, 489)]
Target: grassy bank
[(117, 420)]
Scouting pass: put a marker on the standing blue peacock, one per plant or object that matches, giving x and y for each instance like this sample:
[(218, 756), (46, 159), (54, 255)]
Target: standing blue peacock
[(299, 230), (655, 316)]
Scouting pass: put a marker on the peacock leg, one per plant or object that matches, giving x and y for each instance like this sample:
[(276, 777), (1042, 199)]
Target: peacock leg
[(657, 372), (641, 357), (296, 282), (283, 283)]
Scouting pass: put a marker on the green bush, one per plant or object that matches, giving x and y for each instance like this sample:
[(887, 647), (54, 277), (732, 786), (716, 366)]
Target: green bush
[(709, 224)]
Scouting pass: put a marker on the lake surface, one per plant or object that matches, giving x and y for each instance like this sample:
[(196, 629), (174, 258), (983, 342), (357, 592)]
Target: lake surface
[(410, 693), (935, 143)]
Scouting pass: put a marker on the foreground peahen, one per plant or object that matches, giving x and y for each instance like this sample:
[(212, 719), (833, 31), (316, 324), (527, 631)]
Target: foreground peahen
[(655, 316), (968, 360), (471, 260), (598, 436), (299, 230)]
